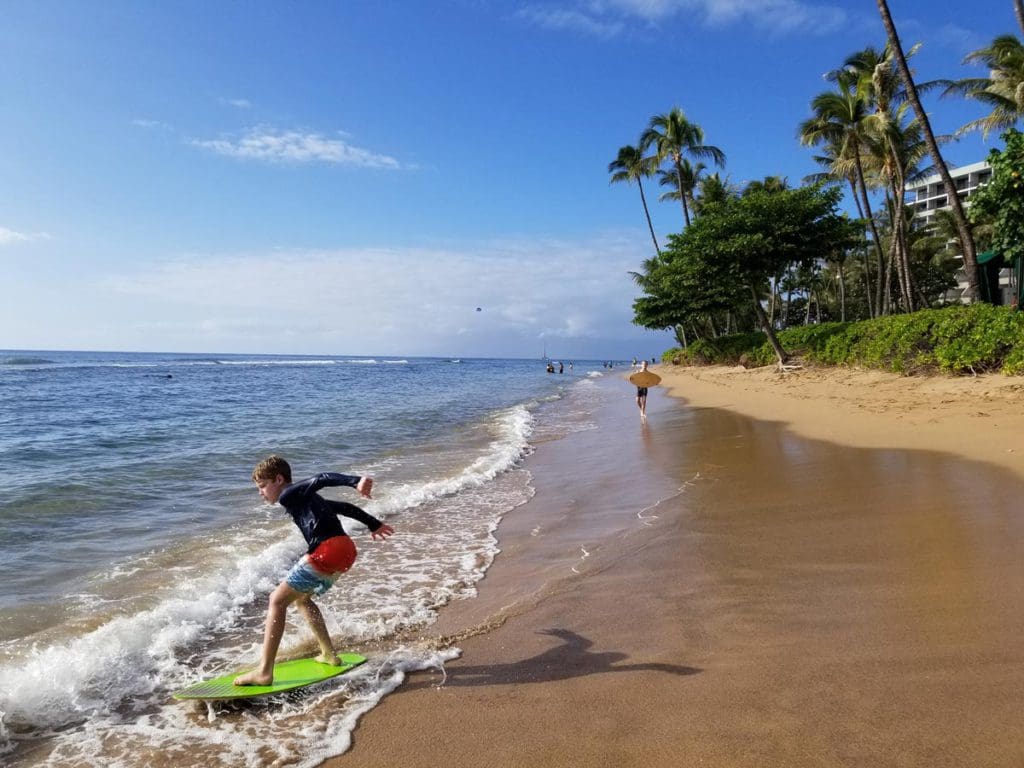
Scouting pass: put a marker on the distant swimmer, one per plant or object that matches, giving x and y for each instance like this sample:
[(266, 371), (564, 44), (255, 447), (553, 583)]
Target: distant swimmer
[(330, 553)]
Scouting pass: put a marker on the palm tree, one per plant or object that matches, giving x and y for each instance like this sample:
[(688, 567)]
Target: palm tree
[(672, 135), (1018, 7), (713, 189), (631, 165), (840, 118), (1002, 90), (690, 175), (970, 260), (872, 75), (768, 184), (896, 146)]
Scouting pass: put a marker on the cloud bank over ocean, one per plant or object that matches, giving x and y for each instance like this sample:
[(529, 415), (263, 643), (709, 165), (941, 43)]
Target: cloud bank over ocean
[(568, 297)]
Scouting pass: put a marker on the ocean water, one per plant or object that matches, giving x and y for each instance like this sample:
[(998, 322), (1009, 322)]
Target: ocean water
[(136, 555)]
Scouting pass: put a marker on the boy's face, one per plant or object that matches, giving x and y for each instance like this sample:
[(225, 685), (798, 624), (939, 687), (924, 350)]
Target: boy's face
[(271, 489)]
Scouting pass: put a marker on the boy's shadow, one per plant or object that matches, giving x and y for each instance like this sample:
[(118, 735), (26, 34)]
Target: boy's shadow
[(570, 659)]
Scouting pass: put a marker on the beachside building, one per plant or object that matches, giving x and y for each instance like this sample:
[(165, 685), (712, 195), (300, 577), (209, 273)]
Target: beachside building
[(927, 196)]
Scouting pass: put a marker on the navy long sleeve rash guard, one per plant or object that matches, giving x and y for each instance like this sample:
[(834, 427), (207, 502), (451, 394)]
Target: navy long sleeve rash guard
[(317, 517)]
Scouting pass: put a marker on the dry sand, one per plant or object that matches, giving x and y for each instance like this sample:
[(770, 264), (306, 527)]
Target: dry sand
[(976, 417), (718, 590)]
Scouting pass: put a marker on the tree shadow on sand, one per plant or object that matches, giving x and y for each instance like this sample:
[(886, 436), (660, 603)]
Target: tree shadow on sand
[(570, 659)]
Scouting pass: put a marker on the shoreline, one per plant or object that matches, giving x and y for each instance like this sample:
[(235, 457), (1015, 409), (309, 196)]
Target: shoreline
[(756, 597)]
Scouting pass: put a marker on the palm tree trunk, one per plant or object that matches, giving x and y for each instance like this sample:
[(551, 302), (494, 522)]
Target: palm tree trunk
[(860, 213), (867, 286), (868, 292), (970, 257), (647, 213), (1018, 6), (842, 295), (900, 227), (908, 275), (887, 298), (682, 192), (874, 231), (856, 199), (895, 249)]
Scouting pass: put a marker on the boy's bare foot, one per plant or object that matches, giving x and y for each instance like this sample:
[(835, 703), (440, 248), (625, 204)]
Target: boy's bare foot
[(325, 658), (254, 678)]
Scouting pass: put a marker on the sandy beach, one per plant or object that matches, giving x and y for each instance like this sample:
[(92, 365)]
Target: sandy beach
[(974, 417), (816, 569)]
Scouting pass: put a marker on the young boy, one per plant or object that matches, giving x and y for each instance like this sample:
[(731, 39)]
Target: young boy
[(331, 553)]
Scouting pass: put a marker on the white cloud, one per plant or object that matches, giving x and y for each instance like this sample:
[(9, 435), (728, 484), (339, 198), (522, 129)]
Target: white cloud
[(275, 146), (570, 19), (152, 125), (10, 237), (384, 300), (605, 18), (237, 103)]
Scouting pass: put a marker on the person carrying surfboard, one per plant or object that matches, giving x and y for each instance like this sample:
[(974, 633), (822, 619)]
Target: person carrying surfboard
[(643, 379), (330, 553)]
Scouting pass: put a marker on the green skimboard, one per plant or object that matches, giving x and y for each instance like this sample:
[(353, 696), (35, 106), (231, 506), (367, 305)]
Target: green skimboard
[(288, 675)]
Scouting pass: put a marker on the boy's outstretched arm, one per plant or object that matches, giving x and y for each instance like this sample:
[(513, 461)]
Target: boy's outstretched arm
[(383, 532)]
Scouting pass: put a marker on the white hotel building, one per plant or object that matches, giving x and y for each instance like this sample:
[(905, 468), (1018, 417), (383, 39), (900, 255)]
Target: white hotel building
[(927, 196)]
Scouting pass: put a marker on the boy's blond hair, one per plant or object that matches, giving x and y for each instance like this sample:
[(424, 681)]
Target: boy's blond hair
[(270, 468)]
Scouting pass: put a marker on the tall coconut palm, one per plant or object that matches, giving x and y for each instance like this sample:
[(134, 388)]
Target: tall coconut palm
[(871, 74), (896, 147), (1018, 7), (1002, 90), (837, 169), (690, 174), (673, 137), (630, 165), (970, 259), (840, 118)]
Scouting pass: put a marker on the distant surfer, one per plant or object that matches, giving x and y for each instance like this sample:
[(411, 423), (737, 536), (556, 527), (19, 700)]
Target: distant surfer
[(330, 553)]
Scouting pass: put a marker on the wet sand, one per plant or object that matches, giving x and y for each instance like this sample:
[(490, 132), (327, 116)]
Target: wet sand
[(712, 589)]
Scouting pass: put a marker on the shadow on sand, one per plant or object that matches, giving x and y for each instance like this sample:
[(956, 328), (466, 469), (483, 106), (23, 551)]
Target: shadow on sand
[(570, 659)]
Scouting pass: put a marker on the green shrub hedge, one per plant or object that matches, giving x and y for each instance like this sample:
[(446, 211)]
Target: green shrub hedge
[(977, 338)]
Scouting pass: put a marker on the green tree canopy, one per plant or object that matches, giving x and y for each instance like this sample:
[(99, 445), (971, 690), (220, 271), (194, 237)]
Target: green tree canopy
[(727, 255), (1002, 199)]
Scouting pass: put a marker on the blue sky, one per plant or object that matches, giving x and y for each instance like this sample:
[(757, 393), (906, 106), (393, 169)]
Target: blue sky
[(359, 177)]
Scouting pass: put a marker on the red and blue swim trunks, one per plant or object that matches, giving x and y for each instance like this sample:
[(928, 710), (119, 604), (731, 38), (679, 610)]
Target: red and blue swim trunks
[(316, 572)]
